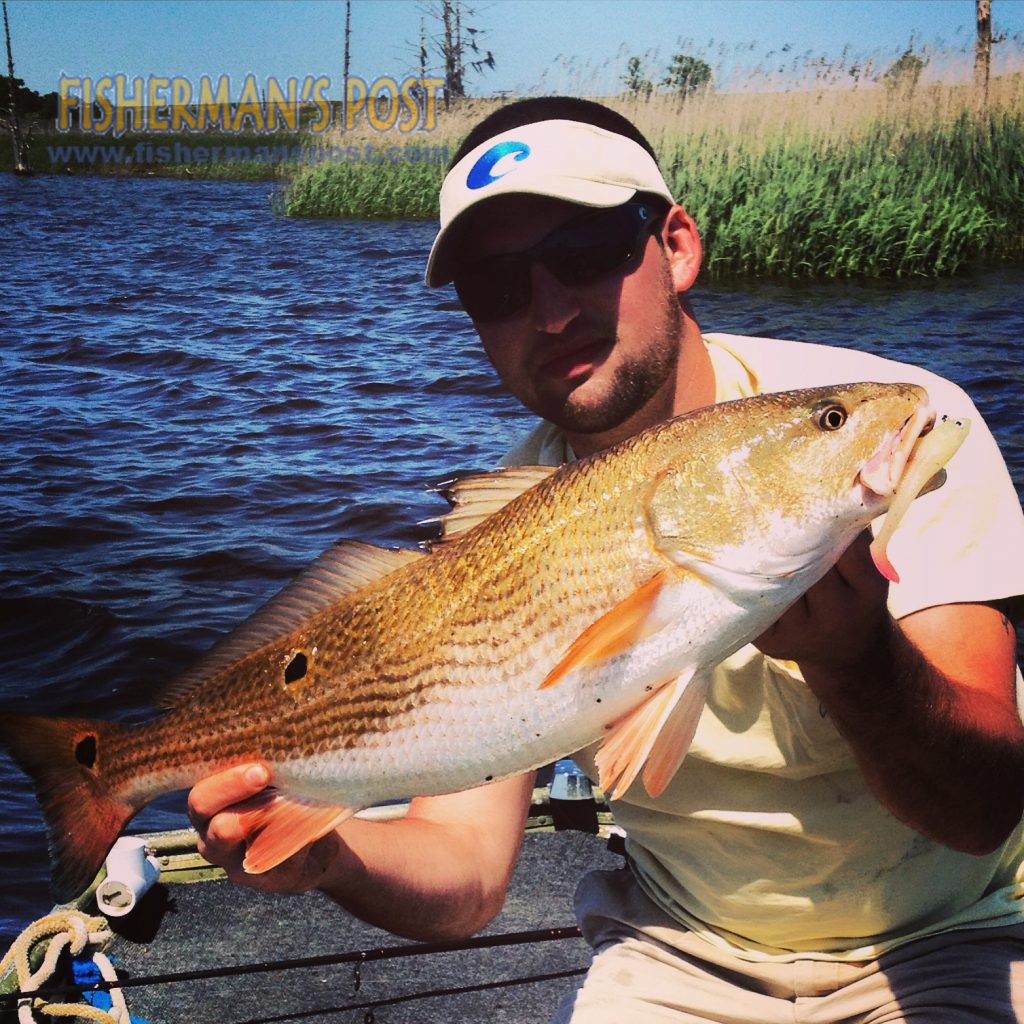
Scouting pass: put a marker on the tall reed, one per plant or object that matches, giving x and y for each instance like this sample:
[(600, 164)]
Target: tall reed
[(881, 182), (364, 186)]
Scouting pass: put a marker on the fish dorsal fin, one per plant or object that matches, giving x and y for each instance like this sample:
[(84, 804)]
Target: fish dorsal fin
[(654, 737), (342, 570), (480, 495), (286, 824)]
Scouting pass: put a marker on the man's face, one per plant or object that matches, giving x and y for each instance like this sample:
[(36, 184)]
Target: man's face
[(591, 357)]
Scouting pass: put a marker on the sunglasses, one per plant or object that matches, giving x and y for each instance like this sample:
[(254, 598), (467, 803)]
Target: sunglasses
[(576, 253)]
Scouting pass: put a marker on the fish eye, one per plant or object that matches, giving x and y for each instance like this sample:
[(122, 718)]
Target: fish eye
[(830, 415)]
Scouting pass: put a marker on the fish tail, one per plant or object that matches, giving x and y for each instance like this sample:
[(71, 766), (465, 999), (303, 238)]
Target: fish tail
[(66, 761)]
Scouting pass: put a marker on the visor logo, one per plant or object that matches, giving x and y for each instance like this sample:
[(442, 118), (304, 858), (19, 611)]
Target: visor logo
[(482, 172)]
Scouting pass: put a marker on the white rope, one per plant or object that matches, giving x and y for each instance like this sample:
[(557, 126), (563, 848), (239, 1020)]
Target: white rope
[(70, 930), (119, 1010)]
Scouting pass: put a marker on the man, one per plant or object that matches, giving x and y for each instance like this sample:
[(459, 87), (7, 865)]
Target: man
[(843, 841)]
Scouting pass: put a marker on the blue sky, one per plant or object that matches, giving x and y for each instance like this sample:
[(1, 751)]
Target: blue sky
[(575, 46)]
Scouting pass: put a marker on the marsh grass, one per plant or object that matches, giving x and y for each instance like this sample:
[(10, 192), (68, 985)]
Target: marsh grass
[(848, 177), (399, 180), (838, 185)]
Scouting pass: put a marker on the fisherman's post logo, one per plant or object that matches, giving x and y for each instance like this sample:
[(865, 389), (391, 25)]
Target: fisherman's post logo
[(115, 104)]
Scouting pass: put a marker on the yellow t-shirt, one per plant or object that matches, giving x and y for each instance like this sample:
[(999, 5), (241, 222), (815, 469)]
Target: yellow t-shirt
[(768, 840)]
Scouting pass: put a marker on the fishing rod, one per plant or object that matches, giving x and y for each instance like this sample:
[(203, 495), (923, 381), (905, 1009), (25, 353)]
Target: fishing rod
[(358, 957)]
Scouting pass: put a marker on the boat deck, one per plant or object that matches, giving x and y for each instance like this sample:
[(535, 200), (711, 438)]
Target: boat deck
[(194, 922), (184, 928)]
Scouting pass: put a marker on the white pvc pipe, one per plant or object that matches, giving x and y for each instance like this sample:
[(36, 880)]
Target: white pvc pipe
[(130, 873)]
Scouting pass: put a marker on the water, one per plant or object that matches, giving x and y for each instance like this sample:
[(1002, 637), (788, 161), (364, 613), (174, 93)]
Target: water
[(199, 396)]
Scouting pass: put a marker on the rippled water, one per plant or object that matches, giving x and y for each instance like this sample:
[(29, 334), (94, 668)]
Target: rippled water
[(200, 396)]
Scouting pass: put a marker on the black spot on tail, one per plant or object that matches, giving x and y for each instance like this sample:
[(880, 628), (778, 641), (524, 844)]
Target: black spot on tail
[(85, 751), (83, 816)]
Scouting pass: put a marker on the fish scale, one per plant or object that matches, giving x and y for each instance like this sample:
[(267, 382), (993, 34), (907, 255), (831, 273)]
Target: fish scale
[(559, 608)]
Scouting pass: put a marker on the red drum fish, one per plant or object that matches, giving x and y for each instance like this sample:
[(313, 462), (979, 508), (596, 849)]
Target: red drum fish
[(560, 608)]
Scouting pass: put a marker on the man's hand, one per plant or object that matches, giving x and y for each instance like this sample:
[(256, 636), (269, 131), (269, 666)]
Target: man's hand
[(927, 704), (438, 873), (840, 620), (216, 808)]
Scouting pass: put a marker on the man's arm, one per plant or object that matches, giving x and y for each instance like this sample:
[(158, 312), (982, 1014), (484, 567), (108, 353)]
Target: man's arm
[(927, 703), (439, 873)]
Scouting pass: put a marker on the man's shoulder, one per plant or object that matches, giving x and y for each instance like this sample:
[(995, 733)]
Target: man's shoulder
[(974, 520), (782, 365)]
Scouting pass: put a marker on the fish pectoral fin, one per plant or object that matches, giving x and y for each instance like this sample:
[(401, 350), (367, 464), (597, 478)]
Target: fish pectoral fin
[(629, 622), (285, 825), (676, 735), (653, 737), (880, 557)]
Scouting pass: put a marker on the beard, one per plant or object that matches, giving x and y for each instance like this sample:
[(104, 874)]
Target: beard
[(639, 378)]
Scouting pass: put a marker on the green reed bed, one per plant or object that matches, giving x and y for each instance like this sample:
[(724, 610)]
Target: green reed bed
[(892, 202), (365, 188)]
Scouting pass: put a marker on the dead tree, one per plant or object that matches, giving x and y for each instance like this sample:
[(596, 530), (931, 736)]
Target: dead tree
[(983, 51), (459, 47), (451, 49), (12, 122), (348, 46)]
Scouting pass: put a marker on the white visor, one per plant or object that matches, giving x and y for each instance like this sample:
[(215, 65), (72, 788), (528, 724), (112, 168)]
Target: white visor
[(568, 160)]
